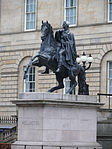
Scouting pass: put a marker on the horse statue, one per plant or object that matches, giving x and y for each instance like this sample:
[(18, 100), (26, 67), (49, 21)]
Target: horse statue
[(47, 56)]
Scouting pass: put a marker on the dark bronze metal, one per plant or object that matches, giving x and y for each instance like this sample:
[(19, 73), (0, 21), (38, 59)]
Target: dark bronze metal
[(59, 54)]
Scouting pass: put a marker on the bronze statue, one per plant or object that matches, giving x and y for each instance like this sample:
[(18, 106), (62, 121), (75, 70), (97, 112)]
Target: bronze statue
[(67, 47), (59, 55)]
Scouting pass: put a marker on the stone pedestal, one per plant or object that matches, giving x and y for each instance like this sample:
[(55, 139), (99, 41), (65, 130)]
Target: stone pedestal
[(56, 121)]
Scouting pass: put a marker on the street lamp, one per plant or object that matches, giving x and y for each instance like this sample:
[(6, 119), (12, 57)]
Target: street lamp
[(84, 59), (83, 86)]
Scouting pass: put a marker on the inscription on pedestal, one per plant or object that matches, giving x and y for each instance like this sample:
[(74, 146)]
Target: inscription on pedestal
[(58, 122)]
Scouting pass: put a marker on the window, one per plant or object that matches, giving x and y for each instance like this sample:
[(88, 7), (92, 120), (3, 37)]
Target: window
[(70, 11), (110, 10), (30, 15), (110, 77), (29, 85)]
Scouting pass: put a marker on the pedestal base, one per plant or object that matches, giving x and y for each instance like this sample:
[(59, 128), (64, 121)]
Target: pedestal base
[(62, 145), (54, 121)]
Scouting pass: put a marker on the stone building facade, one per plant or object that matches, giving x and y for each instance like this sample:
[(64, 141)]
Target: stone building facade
[(18, 43)]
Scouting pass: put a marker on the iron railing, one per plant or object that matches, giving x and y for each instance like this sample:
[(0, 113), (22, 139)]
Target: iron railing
[(8, 119), (8, 135), (8, 129), (109, 99)]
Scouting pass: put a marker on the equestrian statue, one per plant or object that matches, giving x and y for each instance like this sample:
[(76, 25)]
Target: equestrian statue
[(59, 55)]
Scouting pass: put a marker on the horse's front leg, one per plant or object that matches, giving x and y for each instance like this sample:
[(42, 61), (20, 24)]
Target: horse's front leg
[(29, 65), (27, 68), (33, 57)]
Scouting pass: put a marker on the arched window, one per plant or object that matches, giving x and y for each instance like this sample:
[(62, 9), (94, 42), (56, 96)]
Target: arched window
[(29, 82), (106, 74), (109, 77)]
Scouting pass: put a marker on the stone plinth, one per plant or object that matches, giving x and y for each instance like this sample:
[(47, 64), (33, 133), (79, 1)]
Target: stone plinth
[(56, 121)]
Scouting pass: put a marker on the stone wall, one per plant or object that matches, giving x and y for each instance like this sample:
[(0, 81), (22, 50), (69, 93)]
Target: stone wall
[(104, 128)]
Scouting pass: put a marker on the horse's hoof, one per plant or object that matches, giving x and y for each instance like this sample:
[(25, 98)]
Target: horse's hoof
[(49, 91), (45, 72)]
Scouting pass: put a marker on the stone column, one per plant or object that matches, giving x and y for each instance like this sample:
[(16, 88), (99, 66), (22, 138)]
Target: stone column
[(56, 121)]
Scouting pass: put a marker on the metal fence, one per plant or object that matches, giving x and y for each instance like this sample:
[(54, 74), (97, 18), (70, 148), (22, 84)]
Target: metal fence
[(8, 119), (107, 99), (8, 129), (8, 135)]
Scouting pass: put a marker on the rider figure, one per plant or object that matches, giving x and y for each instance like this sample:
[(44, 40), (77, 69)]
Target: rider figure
[(66, 47)]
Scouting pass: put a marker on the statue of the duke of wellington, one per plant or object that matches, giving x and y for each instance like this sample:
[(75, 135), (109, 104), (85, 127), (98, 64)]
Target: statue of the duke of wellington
[(59, 54)]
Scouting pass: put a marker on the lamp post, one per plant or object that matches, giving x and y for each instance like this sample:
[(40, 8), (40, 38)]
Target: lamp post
[(84, 87), (84, 59)]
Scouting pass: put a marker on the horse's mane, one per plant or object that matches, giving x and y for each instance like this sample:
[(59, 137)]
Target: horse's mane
[(52, 40)]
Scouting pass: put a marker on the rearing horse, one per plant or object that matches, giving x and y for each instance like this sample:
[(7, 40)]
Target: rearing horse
[(47, 56)]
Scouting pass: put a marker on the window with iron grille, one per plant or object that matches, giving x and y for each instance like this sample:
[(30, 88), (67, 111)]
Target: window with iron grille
[(30, 15), (70, 11), (29, 85)]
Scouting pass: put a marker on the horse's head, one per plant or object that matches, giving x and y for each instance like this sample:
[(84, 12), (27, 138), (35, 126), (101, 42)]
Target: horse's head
[(46, 29)]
